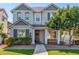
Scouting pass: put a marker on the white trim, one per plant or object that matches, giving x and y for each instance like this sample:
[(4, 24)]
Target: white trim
[(33, 36), (46, 35), (58, 37)]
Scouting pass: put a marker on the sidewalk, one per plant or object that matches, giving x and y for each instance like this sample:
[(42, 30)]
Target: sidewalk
[(22, 47), (40, 50), (76, 47)]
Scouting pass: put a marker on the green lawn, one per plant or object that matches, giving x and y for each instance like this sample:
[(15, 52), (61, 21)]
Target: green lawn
[(63, 52), (16, 52)]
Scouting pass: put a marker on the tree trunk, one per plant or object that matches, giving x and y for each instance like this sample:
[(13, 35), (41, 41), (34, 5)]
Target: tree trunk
[(58, 37), (70, 33)]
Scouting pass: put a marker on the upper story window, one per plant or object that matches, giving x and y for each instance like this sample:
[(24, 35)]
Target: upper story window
[(37, 19), (49, 15), (27, 15), (18, 15)]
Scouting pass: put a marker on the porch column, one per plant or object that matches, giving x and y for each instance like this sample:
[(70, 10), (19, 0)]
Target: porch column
[(46, 35), (33, 36), (58, 37)]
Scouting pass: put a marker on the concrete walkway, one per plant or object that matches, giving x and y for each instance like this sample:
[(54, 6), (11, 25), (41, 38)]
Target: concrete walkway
[(40, 50)]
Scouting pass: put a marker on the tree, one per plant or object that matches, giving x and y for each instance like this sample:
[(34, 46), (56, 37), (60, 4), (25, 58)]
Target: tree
[(56, 22), (72, 20), (65, 19)]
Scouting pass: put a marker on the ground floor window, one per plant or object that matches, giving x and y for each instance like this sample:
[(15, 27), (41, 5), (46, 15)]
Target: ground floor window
[(21, 33)]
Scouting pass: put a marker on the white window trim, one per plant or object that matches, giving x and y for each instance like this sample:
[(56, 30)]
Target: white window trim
[(27, 15), (19, 15), (38, 15)]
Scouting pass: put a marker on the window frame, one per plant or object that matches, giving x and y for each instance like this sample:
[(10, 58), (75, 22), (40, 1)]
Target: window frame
[(27, 15), (20, 30), (19, 15)]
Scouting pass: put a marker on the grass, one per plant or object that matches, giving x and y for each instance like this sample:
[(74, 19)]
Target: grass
[(63, 52), (16, 51)]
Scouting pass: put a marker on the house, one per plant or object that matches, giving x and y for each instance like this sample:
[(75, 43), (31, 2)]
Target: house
[(32, 21), (3, 21)]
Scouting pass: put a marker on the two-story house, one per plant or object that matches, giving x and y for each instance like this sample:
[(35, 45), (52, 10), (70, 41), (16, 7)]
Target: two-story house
[(32, 21), (4, 22)]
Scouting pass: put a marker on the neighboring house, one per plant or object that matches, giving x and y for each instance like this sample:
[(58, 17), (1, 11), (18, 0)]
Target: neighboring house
[(4, 21), (32, 21)]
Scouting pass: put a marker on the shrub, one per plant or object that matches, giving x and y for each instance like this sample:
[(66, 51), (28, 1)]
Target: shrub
[(27, 40), (23, 40), (9, 41), (61, 42), (4, 35), (76, 42)]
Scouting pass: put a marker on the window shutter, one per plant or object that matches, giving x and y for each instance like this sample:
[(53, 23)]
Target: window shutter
[(48, 16), (27, 32), (15, 32)]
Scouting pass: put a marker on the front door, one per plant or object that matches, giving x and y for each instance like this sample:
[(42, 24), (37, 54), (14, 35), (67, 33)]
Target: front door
[(37, 37)]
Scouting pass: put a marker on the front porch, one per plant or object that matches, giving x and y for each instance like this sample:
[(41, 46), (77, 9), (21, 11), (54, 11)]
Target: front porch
[(39, 36), (43, 36), (48, 36)]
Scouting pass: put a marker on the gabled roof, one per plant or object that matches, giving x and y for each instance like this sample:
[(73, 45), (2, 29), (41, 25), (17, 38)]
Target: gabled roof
[(51, 7), (22, 7), (35, 9), (21, 22)]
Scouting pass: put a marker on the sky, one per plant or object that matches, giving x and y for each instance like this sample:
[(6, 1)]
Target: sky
[(9, 6)]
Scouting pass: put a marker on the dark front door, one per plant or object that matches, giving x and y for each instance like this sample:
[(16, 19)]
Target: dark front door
[(37, 37)]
